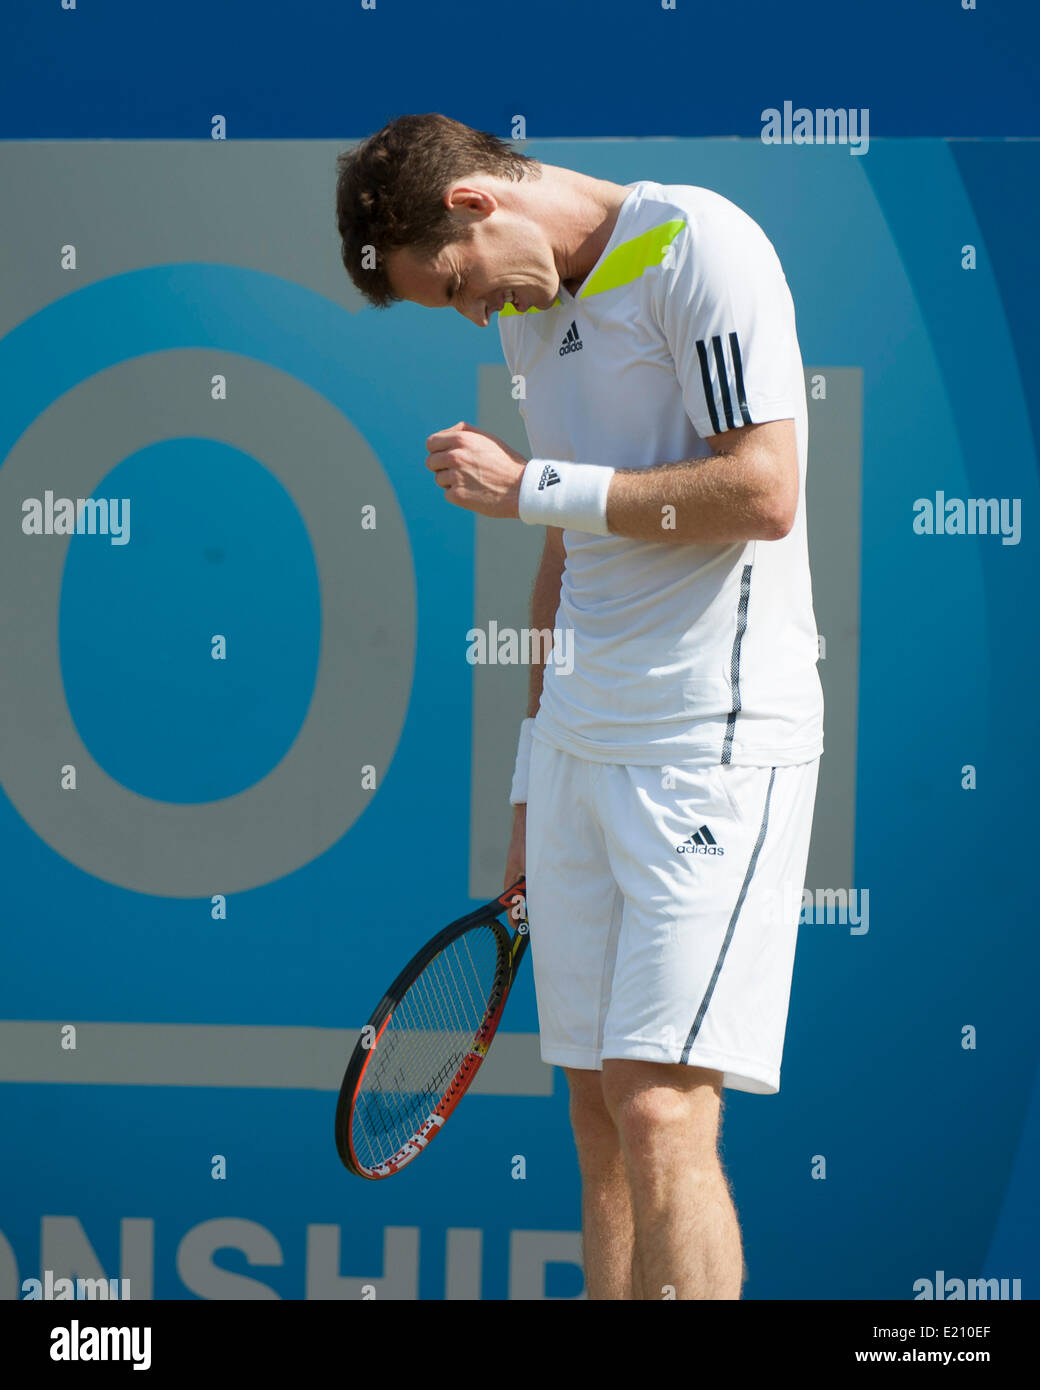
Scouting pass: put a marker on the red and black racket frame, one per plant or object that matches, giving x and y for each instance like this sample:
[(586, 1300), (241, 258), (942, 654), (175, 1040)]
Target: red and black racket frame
[(511, 952)]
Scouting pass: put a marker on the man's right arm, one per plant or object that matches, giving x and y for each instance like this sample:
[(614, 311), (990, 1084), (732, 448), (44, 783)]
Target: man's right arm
[(545, 601)]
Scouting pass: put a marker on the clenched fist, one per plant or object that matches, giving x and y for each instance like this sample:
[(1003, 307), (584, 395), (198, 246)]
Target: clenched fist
[(476, 470)]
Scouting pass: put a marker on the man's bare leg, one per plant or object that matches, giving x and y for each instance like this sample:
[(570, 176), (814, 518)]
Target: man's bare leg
[(686, 1233), (606, 1203)]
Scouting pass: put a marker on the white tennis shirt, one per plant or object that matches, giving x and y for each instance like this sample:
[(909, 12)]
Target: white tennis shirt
[(684, 329)]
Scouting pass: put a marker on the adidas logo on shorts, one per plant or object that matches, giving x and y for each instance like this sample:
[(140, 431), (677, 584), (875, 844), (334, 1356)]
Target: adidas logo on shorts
[(702, 841)]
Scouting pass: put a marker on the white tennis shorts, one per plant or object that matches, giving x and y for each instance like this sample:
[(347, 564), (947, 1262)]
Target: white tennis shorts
[(664, 907)]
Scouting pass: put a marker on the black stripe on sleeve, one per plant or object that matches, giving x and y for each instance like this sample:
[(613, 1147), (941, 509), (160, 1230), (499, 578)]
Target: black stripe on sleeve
[(720, 362), (738, 368), (709, 390)]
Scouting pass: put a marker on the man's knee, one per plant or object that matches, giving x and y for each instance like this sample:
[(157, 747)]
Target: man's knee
[(590, 1117), (651, 1102)]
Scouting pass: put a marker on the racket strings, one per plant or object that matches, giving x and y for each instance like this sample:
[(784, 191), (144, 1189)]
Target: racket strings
[(422, 1048), (425, 1041)]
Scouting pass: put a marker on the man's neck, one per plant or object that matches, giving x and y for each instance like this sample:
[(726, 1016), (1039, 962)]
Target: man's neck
[(586, 210)]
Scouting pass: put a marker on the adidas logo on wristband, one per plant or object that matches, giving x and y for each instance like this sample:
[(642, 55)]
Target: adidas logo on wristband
[(581, 505)]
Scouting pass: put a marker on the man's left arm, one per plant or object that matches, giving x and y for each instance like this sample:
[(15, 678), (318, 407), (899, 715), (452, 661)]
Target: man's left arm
[(746, 489)]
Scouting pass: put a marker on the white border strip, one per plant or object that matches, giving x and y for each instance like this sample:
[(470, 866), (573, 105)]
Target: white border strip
[(175, 1054)]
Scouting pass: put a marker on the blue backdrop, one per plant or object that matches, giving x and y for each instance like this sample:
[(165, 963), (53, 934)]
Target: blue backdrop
[(931, 1148)]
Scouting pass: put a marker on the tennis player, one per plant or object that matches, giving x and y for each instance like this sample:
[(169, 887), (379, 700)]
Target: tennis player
[(664, 787)]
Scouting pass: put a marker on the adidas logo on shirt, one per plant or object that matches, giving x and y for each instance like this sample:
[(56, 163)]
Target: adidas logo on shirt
[(549, 476), (702, 841), (572, 340)]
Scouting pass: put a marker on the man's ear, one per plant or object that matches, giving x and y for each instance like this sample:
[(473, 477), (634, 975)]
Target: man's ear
[(470, 202)]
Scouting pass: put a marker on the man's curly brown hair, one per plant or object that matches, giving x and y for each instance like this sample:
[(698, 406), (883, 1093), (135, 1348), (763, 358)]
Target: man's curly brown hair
[(390, 192)]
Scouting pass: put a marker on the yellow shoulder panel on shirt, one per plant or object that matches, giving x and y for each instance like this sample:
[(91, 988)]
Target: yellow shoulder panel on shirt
[(624, 264), (508, 309), (628, 261)]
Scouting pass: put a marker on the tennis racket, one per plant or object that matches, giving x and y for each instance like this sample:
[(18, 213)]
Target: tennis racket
[(419, 1052)]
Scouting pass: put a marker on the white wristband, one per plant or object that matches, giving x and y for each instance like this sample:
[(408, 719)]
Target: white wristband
[(518, 791), (574, 495)]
